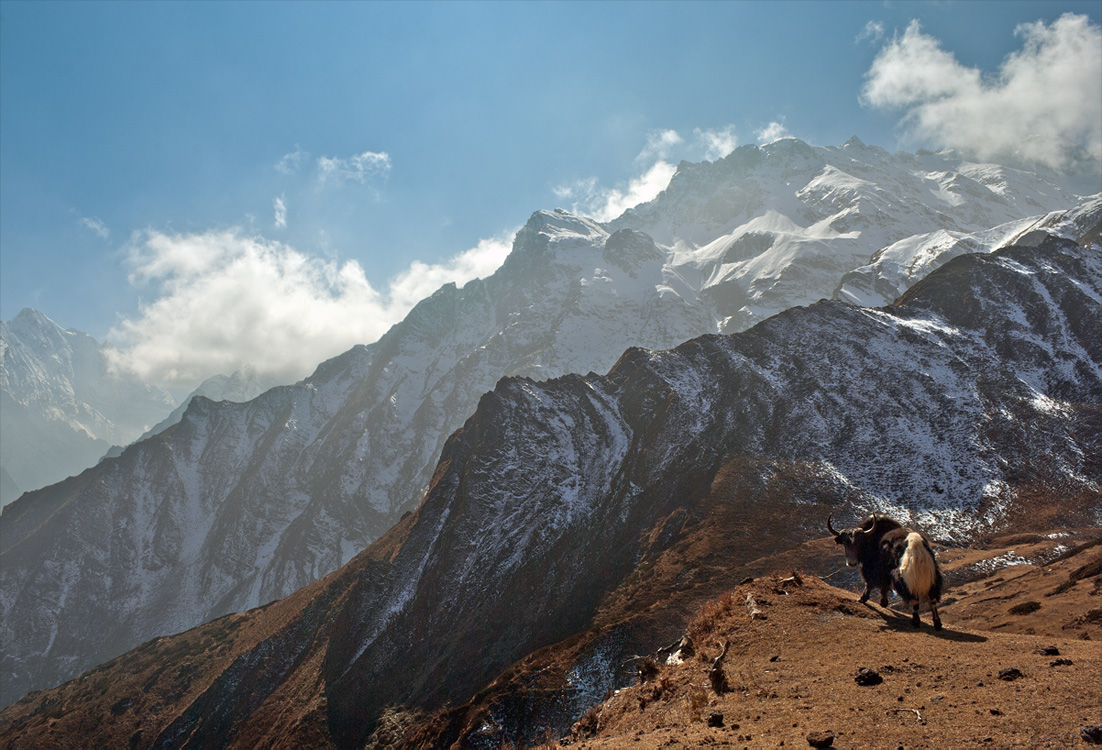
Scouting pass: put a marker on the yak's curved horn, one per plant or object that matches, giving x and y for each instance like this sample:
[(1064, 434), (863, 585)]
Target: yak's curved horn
[(829, 527), (869, 530)]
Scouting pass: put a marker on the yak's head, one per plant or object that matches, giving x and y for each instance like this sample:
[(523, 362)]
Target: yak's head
[(852, 539)]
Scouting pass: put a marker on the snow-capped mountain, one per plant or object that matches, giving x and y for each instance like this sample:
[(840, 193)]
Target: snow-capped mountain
[(975, 394), (63, 406), (240, 504), (768, 228), (899, 265)]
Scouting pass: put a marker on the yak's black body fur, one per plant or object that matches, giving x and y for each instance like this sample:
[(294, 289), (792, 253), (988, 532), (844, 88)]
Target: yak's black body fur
[(877, 546)]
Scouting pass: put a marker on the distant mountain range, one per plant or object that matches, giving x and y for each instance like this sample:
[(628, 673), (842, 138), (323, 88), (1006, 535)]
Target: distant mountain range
[(561, 509), (241, 504), (63, 406)]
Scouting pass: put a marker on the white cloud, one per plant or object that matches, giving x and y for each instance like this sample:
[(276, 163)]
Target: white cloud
[(772, 132), (659, 145), (279, 206), (716, 143), (222, 301), (605, 204), (587, 196), (96, 226), (669, 145), (873, 30), (291, 162), (358, 168), (1042, 105), (422, 279)]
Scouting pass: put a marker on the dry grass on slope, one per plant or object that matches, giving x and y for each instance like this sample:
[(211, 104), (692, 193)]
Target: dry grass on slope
[(792, 672)]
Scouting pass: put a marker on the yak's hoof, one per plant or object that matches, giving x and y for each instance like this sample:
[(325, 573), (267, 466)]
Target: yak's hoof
[(884, 602), (937, 625), (864, 598)]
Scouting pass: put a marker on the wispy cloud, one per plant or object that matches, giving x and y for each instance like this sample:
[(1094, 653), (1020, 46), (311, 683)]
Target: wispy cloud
[(772, 132), (98, 227), (359, 168), (1042, 105), (873, 30), (659, 145), (589, 197), (279, 206), (291, 162), (422, 279), (223, 300), (716, 143)]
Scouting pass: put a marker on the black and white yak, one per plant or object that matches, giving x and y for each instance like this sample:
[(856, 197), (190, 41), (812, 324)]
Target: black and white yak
[(891, 556)]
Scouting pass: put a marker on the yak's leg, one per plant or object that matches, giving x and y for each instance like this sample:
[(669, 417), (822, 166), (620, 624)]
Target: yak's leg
[(914, 616), (885, 587), (868, 590), (937, 618)]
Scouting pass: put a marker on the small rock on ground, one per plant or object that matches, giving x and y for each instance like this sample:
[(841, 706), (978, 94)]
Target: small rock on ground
[(866, 676)]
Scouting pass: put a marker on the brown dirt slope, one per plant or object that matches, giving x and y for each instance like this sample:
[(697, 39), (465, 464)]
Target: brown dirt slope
[(991, 624), (792, 669)]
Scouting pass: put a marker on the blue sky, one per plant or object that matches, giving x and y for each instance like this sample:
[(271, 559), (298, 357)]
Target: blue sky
[(139, 141)]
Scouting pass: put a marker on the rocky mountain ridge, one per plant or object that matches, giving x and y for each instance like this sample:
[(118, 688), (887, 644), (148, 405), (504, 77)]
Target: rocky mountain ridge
[(241, 504), (238, 387), (959, 408)]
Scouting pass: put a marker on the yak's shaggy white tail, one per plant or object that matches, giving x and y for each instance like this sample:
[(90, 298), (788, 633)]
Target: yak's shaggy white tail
[(917, 567)]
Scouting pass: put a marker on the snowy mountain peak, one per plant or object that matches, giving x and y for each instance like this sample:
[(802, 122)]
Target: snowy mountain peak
[(546, 226)]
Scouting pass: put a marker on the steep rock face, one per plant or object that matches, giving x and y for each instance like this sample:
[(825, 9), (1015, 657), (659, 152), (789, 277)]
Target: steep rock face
[(985, 380), (241, 504), (935, 410), (63, 407)]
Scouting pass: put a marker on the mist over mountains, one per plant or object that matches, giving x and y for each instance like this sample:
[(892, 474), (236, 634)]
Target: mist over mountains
[(242, 503)]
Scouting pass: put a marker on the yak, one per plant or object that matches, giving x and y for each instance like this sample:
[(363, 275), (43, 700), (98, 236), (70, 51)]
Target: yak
[(891, 556)]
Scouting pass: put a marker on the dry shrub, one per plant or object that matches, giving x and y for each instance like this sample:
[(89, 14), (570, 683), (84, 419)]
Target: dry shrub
[(588, 724), (395, 724), (654, 691), (695, 702), (710, 616), (1039, 507)]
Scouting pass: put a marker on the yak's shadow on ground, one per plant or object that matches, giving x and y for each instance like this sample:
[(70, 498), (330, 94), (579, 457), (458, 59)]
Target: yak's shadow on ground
[(901, 622)]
